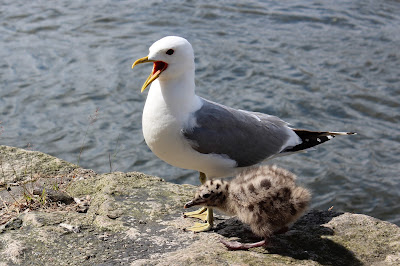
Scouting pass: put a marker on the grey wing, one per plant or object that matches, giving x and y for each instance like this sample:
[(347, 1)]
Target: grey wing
[(246, 137)]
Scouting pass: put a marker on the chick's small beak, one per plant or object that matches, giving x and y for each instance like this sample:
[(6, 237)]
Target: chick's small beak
[(189, 204), (158, 68)]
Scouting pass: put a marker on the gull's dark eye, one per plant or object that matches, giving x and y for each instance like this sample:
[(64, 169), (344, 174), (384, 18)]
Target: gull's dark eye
[(206, 195), (170, 52)]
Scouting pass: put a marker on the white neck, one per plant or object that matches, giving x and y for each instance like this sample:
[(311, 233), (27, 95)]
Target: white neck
[(179, 93)]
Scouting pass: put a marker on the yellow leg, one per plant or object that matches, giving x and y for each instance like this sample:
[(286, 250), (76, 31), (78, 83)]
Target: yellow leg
[(202, 227), (202, 178), (205, 214), (200, 213)]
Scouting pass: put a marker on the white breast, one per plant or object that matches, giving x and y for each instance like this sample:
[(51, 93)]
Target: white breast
[(162, 132)]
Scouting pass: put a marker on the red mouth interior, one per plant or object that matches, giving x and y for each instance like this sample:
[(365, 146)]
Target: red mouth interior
[(159, 66)]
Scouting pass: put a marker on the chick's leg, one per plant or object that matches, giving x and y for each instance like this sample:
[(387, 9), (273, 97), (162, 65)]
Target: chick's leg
[(235, 245)]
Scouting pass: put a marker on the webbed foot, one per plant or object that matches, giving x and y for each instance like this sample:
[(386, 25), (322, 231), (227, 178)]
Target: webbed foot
[(198, 214)]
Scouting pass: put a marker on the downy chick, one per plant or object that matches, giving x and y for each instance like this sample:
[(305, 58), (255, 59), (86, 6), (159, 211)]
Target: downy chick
[(264, 197)]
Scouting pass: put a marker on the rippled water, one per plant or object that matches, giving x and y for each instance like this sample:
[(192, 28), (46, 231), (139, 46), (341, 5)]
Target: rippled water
[(329, 65)]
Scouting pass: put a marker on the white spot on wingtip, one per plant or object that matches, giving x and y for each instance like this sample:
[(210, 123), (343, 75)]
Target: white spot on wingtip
[(329, 137), (318, 139)]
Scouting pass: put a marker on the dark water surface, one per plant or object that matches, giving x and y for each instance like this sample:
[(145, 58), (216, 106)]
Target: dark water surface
[(328, 65)]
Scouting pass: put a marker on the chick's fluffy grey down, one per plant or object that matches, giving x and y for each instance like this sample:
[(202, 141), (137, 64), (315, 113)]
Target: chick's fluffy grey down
[(265, 197)]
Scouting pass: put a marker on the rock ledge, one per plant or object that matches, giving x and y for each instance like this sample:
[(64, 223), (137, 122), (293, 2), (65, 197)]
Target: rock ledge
[(135, 219)]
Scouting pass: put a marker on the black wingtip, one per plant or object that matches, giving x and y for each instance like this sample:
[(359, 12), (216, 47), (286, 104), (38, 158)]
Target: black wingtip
[(314, 138)]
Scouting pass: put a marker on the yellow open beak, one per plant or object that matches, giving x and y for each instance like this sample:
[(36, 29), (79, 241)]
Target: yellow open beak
[(158, 68)]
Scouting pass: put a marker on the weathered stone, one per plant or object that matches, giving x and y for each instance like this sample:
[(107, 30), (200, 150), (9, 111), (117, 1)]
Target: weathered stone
[(13, 224), (18, 165), (133, 218)]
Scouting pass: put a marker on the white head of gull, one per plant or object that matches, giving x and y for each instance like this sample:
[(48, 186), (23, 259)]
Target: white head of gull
[(190, 132)]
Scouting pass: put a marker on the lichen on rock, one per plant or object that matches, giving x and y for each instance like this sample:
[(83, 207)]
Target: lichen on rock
[(135, 219)]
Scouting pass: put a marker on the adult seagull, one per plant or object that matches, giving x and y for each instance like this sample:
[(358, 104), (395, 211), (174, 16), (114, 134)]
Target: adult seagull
[(190, 132)]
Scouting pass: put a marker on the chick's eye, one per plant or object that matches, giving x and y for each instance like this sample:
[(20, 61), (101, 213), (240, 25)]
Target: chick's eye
[(170, 52), (206, 195)]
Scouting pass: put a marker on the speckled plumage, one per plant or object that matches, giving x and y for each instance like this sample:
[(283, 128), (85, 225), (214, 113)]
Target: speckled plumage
[(265, 197)]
